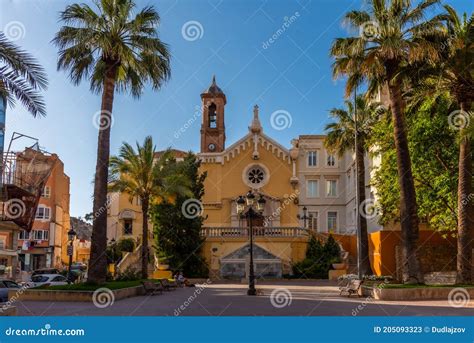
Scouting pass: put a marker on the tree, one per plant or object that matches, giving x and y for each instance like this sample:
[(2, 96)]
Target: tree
[(393, 35), (434, 164), (340, 139), (21, 78), (144, 175), (454, 74), (116, 50), (178, 224)]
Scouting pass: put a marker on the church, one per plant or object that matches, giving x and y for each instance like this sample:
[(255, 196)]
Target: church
[(288, 179)]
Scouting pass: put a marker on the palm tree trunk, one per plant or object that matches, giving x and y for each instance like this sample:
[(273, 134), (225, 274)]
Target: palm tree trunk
[(364, 239), (145, 204), (465, 208), (98, 262), (408, 206)]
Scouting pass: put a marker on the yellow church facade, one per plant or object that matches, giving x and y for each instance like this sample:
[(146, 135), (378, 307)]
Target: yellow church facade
[(254, 163)]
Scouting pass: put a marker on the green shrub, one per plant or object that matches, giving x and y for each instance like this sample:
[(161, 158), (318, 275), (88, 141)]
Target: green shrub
[(319, 259), (129, 274), (126, 245)]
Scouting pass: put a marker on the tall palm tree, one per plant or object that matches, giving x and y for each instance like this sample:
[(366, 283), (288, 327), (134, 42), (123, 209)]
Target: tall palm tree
[(454, 74), (392, 35), (21, 78), (142, 174), (340, 139), (115, 49)]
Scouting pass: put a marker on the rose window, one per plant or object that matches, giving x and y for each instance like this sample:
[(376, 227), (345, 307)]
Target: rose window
[(255, 175)]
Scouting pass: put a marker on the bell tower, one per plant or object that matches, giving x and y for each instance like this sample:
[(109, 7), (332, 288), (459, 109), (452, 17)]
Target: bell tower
[(213, 128)]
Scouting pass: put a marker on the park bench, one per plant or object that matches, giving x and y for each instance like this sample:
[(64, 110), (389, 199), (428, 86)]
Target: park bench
[(152, 288), (168, 285), (351, 288)]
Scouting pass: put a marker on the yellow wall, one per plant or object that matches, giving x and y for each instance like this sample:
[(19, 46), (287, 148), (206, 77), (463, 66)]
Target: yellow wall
[(224, 183)]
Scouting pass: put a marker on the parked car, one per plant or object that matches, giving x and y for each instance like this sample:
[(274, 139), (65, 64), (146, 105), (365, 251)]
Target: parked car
[(45, 271), (5, 286), (79, 266), (48, 279)]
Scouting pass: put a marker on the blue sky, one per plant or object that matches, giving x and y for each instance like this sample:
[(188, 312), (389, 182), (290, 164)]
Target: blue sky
[(290, 74)]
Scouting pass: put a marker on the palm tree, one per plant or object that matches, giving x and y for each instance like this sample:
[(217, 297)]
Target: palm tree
[(145, 175), (21, 78), (116, 50), (392, 36), (340, 139), (454, 74)]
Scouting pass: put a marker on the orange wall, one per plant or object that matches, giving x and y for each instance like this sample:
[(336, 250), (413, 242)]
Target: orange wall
[(382, 245)]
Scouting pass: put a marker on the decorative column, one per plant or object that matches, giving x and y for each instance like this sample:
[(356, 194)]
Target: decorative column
[(294, 152)]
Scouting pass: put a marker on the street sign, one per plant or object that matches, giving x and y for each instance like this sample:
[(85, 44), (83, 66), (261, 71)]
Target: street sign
[(69, 250)]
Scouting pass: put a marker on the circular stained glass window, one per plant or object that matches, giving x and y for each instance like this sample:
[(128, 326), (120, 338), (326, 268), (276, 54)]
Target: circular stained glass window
[(255, 175)]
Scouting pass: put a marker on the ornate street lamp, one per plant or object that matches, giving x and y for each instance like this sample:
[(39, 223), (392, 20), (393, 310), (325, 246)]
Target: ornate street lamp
[(252, 211), (70, 234), (304, 216)]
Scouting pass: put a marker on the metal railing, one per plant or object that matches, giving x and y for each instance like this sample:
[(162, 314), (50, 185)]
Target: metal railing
[(258, 231)]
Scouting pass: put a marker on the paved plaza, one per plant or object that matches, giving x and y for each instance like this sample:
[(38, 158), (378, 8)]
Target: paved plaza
[(288, 299)]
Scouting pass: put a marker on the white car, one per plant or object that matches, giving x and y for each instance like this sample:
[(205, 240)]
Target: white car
[(48, 279)]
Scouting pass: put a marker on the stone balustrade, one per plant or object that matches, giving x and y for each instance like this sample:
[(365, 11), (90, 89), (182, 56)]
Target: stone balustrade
[(258, 231)]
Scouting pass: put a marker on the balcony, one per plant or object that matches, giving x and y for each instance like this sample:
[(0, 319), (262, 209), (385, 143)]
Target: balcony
[(23, 176), (259, 231)]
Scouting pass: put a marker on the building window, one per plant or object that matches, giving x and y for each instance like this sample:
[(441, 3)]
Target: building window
[(46, 193), (23, 234), (312, 189), (40, 235), (127, 227), (43, 212), (332, 221), (212, 116), (331, 160), (3, 242), (313, 221), (138, 201), (331, 188), (312, 158)]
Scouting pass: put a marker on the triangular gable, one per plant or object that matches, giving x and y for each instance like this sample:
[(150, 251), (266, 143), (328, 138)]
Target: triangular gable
[(245, 143), (258, 253)]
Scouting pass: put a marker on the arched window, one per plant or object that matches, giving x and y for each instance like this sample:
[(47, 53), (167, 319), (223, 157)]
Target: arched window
[(212, 116)]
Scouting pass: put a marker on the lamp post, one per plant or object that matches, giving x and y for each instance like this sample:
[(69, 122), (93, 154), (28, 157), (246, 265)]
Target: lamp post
[(246, 208), (70, 234), (304, 216)]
